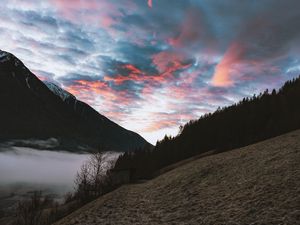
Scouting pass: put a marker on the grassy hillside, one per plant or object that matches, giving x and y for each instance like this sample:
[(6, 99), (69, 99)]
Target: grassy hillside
[(257, 184)]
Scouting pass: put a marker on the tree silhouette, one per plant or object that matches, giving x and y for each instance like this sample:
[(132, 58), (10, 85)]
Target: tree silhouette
[(251, 120)]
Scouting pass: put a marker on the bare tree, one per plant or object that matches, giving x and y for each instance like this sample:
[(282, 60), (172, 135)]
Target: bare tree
[(97, 172), (31, 211), (91, 177)]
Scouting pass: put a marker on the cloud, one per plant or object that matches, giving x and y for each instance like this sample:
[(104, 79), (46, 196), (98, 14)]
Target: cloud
[(20, 165), (49, 171), (93, 12), (135, 60), (194, 32), (223, 71), (262, 39)]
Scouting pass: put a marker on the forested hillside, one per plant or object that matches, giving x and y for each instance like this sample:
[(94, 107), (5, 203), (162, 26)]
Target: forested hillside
[(251, 120)]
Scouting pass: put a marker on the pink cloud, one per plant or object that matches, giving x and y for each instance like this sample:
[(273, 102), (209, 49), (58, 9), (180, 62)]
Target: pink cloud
[(166, 120), (236, 66), (166, 63), (90, 91), (93, 12), (193, 32), (223, 75), (159, 125), (169, 62), (184, 87)]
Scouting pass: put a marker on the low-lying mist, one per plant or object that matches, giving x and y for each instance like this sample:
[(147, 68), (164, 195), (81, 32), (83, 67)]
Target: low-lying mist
[(39, 169)]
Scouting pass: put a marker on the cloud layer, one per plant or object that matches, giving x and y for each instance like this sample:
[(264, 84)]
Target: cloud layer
[(43, 169), (153, 65)]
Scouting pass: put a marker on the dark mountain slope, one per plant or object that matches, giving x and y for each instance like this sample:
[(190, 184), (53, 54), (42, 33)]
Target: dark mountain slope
[(31, 110)]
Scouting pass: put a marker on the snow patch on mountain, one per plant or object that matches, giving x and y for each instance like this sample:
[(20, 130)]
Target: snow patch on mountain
[(60, 92), (27, 82), (4, 56)]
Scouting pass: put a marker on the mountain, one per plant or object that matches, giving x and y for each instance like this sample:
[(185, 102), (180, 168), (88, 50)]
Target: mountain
[(63, 94), (43, 114)]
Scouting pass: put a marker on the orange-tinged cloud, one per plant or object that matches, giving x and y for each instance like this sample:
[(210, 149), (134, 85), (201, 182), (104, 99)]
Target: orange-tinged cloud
[(169, 62), (88, 90), (133, 69), (183, 89), (166, 120), (224, 72), (134, 74)]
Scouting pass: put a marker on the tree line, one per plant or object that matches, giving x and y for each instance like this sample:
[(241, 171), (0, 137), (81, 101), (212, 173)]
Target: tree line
[(251, 120)]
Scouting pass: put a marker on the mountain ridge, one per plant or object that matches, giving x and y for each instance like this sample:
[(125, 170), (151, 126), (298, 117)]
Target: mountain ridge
[(32, 110), (62, 93)]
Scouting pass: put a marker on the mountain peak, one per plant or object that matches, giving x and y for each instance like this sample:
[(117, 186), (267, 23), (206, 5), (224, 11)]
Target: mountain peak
[(8, 57), (36, 110), (4, 56), (60, 92)]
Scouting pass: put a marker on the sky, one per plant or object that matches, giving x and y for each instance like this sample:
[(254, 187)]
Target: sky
[(153, 65)]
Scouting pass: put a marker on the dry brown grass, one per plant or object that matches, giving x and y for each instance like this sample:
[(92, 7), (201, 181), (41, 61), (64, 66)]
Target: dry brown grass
[(257, 184)]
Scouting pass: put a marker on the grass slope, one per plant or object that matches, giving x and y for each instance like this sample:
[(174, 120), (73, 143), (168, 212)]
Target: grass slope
[(257, 184)]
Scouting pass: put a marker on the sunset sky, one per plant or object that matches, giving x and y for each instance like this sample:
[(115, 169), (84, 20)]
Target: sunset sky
[(153, 65)]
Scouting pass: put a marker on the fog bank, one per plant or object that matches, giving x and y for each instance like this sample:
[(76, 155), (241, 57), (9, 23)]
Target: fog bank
[(42, 168)]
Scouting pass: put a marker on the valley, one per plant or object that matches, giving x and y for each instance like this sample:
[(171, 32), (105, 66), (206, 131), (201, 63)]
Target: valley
[(26, 170), (256, 184)]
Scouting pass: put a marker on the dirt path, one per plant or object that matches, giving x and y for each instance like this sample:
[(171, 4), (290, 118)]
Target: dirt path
[(258, 184)]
